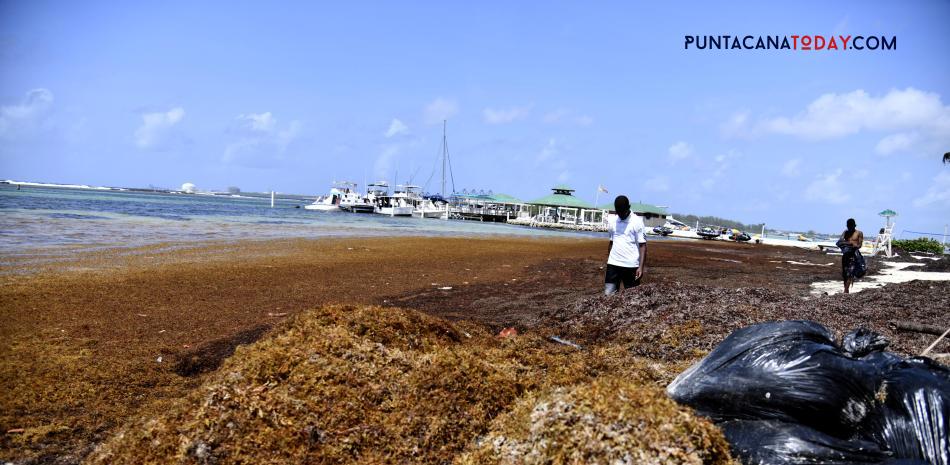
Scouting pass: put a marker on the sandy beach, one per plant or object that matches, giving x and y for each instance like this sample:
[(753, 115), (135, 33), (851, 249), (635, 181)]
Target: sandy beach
[(95, 340)]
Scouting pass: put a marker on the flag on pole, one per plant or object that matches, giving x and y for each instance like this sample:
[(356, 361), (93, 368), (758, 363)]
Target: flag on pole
[(602, 189)]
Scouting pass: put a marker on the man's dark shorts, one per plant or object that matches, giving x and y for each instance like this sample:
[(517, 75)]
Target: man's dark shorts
[(615, 274)]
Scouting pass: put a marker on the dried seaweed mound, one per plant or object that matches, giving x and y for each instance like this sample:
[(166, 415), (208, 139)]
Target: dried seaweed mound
[(361, 385), (608, 421)]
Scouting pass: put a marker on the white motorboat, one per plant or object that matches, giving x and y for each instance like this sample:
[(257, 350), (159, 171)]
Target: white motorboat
[(396, 204), (429, 209), (342, 196)]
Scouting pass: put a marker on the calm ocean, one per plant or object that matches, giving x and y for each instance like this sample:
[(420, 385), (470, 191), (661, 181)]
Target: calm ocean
[(37, 219)]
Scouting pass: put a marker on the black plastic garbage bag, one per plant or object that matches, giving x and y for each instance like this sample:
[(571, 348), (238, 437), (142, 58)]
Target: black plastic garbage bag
[(914, 418), (863, 341), (790, 371), (775, 442)]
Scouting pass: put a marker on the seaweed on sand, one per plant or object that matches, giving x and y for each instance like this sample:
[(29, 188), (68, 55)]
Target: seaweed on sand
[(371, 385), (610, 420)]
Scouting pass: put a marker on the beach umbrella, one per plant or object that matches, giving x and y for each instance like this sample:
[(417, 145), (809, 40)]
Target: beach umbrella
[(888, 214)]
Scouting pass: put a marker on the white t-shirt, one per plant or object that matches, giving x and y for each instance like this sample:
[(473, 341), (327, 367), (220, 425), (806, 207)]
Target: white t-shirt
[(626, 235)]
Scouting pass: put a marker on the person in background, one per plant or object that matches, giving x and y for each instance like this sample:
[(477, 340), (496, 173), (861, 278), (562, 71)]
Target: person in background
[(851, 241), (627, 252)]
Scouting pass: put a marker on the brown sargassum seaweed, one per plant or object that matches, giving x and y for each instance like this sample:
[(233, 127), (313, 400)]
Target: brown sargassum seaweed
[(346, 384)]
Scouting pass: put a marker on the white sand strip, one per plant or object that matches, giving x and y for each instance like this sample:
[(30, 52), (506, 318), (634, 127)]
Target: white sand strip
[(894, 273)]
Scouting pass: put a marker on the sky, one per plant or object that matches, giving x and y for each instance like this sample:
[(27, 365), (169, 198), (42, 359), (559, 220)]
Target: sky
[(289, 96)]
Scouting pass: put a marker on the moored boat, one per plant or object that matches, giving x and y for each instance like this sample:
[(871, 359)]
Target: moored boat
[(341, 194), (708, 233)]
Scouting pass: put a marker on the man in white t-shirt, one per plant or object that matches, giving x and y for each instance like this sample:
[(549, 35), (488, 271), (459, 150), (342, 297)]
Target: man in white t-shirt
[(627, 253)]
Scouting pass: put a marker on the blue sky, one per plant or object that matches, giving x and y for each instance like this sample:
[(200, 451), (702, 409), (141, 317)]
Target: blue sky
[(289, 96)]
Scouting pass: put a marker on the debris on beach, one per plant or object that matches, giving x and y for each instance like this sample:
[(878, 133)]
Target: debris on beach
[(680, 321), (785, 392), (345, 384), (565, 342), (508, 332)]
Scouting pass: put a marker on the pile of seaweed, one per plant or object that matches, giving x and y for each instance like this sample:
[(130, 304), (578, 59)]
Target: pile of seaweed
[(381, 385), (610, 420), (679, 321)]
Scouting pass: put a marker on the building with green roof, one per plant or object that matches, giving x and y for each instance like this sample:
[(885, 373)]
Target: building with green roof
[(642, 209), (563, 207)]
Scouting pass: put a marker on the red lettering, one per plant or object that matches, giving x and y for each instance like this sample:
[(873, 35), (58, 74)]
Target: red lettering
[(844, 41), (806, 42), (832, 44), (819, 42), (795, 42)]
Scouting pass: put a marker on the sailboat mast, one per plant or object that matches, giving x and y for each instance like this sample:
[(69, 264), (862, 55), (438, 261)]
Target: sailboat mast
[(443, 158)]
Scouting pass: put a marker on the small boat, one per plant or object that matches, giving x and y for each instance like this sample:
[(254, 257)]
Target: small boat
[(740, 236), (397, 204), (342, 194), (663, 230), (708, 233)]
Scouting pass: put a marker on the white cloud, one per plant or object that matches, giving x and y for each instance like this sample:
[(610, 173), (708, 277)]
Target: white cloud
[(916, 120), (503, 116), (736, 125), (899, 142), (259, 140), (263, 122), (657, 184), (440, 109), (27, 116), (938, 194), (156, 128), (680, 151), (828, 188), (396, 127), (792, 168)]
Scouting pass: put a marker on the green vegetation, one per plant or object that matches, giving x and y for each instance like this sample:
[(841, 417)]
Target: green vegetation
[(922, 244)]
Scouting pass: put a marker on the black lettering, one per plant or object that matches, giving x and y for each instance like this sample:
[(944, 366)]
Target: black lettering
[(760, 44), (735, 43), (873, 42), (714, 40), (785, 45), (689, 40), (892, 45), (855, 42), (772, 42), (745, 43)]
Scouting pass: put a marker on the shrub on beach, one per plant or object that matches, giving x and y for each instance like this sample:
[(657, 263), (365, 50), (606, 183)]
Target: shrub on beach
[(922, 244), (373, 385)]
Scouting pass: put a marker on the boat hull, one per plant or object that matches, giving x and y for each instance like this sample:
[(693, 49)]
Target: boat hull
[(395, 211), (323, 208), (359, 208), (429, 213)]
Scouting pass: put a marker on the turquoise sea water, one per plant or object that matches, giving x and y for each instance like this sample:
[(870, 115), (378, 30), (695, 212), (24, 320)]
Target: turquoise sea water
[(34, 219)]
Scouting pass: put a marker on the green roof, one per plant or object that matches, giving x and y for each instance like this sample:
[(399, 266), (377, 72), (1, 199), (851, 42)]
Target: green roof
[(638, 207), (561, 200), (505, 198), (888, 212)]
